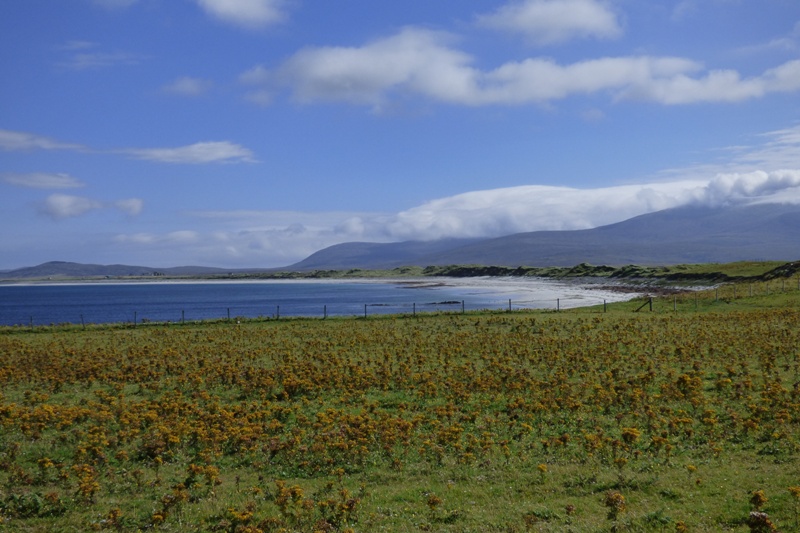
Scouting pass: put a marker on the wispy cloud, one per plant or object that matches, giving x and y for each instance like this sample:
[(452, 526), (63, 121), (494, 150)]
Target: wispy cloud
[(130, 206), (114, 4), (545, 22), (250, 14), (421, 62), (86, 55), (188, 86), (17, 140), (198, 153), (60, 206), (42, 180)]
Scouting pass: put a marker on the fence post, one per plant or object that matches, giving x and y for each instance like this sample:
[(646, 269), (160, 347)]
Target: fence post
[(605, 308), (462, 307), (324, 311), (134, 319), (558, 304), (509, 305), (365, 310)]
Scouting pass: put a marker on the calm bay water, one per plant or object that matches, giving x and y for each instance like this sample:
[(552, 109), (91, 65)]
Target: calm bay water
[(42, 304)]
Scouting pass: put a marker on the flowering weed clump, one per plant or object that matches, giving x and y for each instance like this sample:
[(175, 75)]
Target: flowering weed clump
[(488, 421)]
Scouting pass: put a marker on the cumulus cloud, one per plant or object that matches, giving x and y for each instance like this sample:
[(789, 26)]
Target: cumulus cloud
[(188, 86), (758, 186), (425, 63), (414, 59), (42, 180), (546, 22), (246, 13), (60, 206), (718, 86), (201, 152)]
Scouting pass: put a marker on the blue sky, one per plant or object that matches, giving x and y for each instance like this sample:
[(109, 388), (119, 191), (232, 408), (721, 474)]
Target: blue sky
[(251, 133)]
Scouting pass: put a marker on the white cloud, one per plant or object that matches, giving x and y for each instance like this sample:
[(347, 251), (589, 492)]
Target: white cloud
[(65, 206), (188, 86), (201, 152), (246, 13), (42, 180), (60, 206), (718, 86), (17, 140), (751, 186), (414, 59), (546, 22), (532, 208), (421, 62)]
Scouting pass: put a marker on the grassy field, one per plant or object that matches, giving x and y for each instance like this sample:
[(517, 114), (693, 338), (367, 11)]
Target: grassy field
[(683, 418)]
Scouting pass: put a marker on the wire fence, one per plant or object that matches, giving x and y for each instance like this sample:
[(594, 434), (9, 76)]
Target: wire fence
[(644, 300), (276, 312)]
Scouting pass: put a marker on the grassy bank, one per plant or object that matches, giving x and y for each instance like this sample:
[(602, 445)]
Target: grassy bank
[(686, 416)]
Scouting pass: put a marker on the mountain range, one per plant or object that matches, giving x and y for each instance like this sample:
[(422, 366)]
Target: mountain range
[(691, 234)]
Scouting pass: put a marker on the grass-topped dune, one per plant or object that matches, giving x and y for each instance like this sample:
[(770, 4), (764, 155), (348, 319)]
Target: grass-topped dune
[(683, 418)]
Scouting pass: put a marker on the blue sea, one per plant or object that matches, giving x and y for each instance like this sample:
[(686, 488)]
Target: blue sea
[(76, 303)]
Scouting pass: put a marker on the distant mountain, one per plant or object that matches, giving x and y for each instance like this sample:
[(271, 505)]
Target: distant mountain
[(377, 255), (681, 235), (67, 270)]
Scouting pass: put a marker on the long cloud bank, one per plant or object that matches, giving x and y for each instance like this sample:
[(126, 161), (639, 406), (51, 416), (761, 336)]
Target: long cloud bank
[(275, 239), (532, 208)]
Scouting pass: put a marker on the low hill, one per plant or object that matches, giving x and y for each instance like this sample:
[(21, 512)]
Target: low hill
[(68, 270), (673, 236)]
